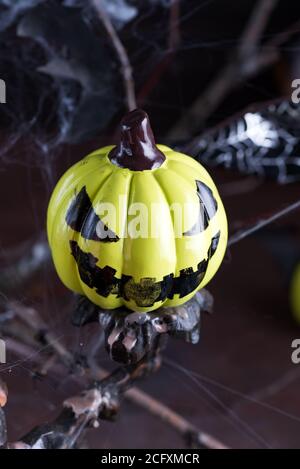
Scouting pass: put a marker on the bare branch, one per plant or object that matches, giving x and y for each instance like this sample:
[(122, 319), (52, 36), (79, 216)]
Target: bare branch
[(67, 428), (249, 59), (235, 238), (81, 411), (194, 437), (34, 321), (174, 32), (121, 53), (166, 59), (102, 401), (255, 27)]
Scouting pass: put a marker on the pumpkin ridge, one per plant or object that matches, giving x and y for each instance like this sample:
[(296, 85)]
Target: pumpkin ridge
[(139, 288), (182, 158), (99, 258), (203, 177), (76, 235), (129, 201), (181, 176), (168, 202), (198, 171), (126, 228), (191, 180)]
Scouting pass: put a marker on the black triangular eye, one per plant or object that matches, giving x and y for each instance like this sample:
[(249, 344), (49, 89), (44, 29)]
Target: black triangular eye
[(208, 208), (81, 217)]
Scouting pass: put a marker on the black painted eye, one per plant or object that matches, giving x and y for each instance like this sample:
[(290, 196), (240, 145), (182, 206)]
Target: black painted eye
[(81, 217), (207, 198), (208, 208)]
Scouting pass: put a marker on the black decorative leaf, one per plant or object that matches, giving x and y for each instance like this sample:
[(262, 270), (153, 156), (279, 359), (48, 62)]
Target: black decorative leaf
[(263, 140)]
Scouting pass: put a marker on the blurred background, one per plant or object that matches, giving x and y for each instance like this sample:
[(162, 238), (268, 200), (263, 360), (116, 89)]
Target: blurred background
[(72, 68)]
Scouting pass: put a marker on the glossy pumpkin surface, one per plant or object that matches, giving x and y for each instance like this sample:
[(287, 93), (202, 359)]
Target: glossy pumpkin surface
[(154, 267)]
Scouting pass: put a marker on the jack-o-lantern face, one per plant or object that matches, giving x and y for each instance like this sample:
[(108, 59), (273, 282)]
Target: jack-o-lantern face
[(140, 233)]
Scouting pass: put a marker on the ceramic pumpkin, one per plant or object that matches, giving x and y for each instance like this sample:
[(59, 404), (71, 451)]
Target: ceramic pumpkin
[(115, 230)]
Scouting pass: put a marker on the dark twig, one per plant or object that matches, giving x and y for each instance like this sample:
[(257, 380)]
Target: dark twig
[(189, 432), (249, 58), (100, 401), (67, 428), (255, 27), (241, 234), (166, 59), (174, 32), (193, 437), (32, 319), (121, 53)]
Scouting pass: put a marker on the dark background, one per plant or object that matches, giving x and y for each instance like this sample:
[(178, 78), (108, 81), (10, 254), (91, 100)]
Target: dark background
[(50, 122)]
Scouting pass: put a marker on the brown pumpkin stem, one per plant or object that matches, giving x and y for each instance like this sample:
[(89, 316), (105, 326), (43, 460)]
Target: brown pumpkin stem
[(136, 149)]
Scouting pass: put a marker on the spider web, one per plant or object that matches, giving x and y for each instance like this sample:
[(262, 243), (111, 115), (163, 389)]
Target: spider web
[(38, 125)]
